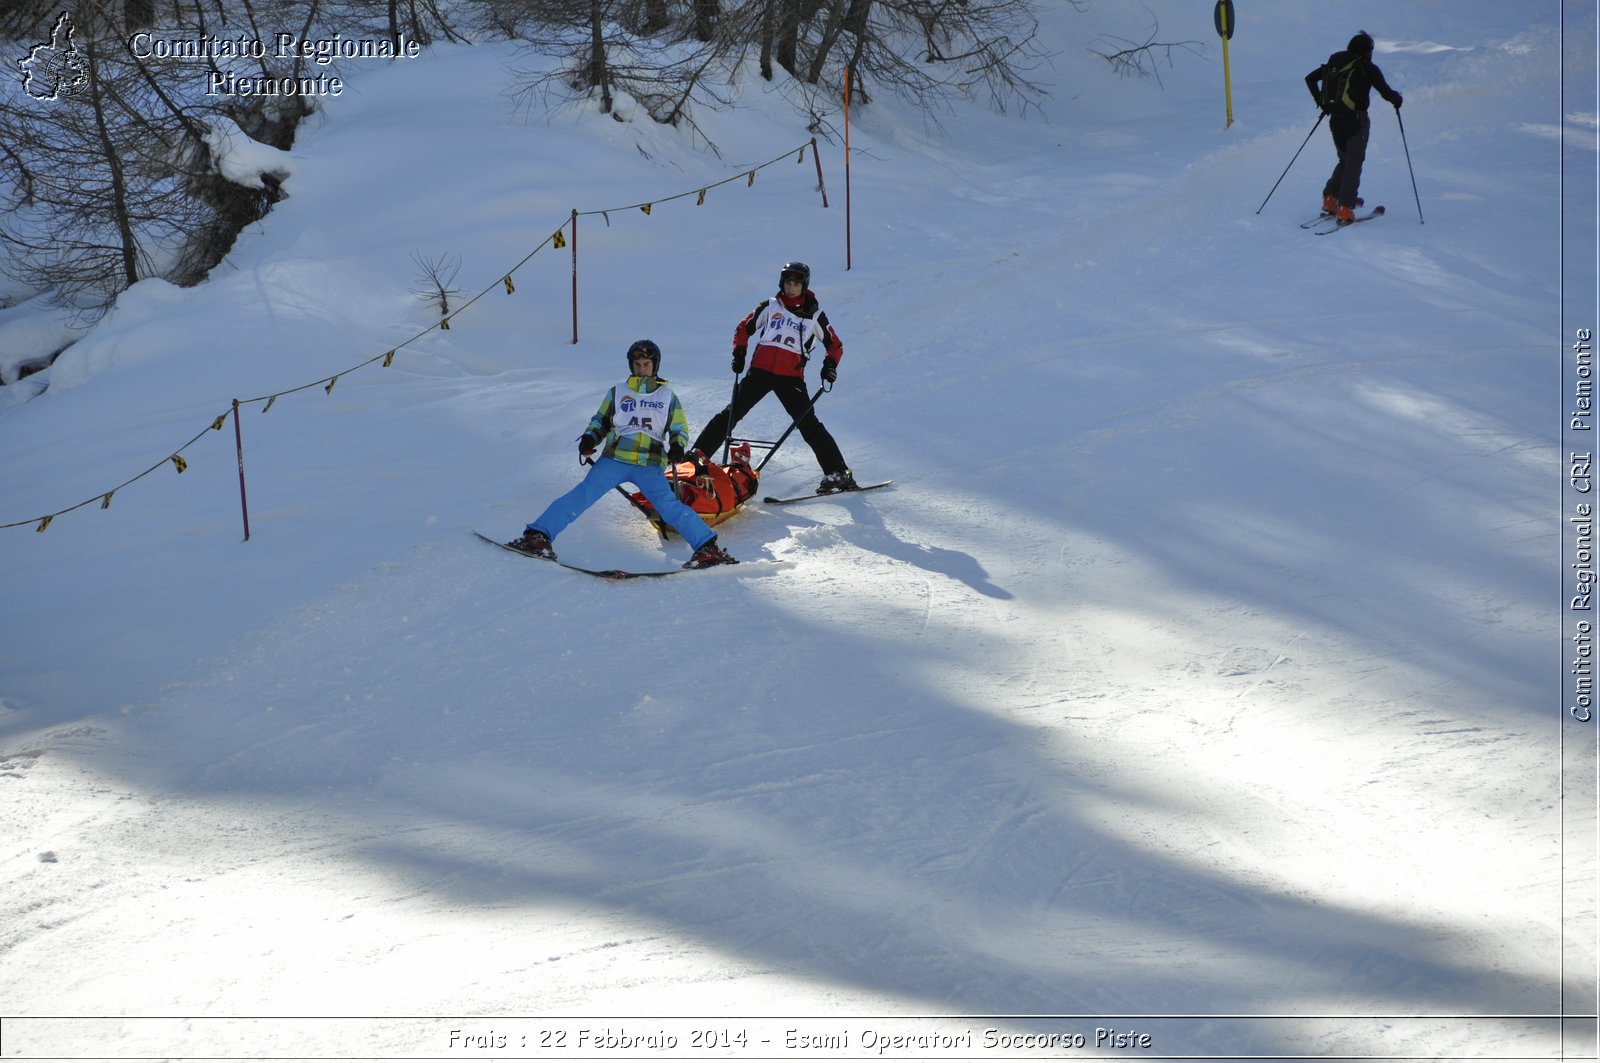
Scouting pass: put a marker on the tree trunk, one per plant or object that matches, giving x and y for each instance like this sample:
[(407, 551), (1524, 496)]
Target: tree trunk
[(138, 14), (705, 20), (129, 246), (655, 17), (855, 20), (789, 35), (830, 35), (599, 76), (769, 29), (856, 23)]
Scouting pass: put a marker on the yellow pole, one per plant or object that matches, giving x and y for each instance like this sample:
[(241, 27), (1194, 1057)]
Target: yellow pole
[(1227, 80)]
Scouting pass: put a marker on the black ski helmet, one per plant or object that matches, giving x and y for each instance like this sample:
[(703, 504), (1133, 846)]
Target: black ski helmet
[(650, 349), (798, 270), (1361, 44)]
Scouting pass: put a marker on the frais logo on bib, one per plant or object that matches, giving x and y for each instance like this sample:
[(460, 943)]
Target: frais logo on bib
[(638, 412), (629, 403)]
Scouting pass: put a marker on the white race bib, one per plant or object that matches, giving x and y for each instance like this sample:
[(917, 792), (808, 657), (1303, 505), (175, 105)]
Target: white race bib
[(786, 329), (638, 414)]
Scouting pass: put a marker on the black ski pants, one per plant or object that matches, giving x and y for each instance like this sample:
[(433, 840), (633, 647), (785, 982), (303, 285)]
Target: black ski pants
[(791, 391), (1350, 130)]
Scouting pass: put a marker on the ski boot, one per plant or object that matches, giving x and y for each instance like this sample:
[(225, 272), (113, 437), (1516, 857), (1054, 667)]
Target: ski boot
[(534, 543), (836, 481), (710, 554)]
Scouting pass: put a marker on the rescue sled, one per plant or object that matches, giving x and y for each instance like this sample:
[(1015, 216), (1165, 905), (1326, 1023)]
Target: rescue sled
[(715, 492)]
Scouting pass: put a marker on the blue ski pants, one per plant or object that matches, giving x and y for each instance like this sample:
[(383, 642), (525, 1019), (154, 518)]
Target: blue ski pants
[(607, 474)]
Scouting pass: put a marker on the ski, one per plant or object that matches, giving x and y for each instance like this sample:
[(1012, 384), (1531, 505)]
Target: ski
[(603, 573), (771, 501), (622, 573), (1374, 213)]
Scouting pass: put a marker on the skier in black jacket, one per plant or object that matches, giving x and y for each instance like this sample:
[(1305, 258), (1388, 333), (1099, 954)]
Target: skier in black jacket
[(1342, 88)]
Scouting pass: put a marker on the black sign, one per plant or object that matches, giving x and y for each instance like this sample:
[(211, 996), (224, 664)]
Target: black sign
[(1224, 19)]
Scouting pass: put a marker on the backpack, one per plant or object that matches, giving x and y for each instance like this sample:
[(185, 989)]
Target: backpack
[(715, 492), (1338, 79)]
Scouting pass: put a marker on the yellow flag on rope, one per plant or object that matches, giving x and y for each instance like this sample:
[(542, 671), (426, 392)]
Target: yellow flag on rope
[(43, 524), (558, 241), (177, 460)]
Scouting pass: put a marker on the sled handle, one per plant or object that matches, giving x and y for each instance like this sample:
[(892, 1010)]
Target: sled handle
[(803, 415)]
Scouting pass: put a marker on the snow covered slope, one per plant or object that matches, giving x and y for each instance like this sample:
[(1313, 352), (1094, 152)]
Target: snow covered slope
[(1202, 664)]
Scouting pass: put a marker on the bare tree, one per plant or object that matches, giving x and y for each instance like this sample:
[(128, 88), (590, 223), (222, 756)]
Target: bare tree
[(1141, 59), (926, 49), (437, 275), (27, 21), (100, 202), (621, 46), (120, 178)]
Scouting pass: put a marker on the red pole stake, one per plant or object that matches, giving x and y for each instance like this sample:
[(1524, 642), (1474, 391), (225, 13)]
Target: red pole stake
[(574, 274), (238, 443), (818, 160)]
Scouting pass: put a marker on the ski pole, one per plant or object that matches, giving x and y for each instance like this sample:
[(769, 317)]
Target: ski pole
[(1403, 144), (1303, 143), (803, 415), (727, 439)]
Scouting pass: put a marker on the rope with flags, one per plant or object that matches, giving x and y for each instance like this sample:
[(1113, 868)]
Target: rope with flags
[(556, 240)]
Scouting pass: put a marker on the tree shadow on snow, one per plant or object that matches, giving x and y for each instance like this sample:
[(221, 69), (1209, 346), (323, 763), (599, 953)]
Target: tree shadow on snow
[(858, 827)]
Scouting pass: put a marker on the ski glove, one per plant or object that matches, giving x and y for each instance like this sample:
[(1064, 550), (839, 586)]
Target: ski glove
[(738, 359), (675, 453), (587, 445), (830, 370)]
